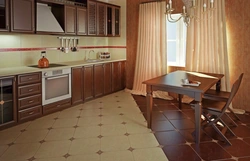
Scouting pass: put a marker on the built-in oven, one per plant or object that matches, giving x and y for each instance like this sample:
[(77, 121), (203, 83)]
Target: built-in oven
[(56, 85)]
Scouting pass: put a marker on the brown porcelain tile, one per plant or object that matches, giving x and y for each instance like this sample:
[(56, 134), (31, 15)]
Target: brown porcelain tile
[(187, 134), (247, 140), (211, 151), (174, 115), (162, 126), (239, 148), (242, 131), (244, 118), (166, 107), (170, 138), (189, 113), (180, 153), (183, 124), (244, 159), (158, 116), (162, 101)]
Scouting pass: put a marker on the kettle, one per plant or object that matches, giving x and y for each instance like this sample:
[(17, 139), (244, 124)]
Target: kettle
[(43, 62)]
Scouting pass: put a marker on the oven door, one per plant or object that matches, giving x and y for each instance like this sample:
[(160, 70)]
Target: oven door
[(56, 88)]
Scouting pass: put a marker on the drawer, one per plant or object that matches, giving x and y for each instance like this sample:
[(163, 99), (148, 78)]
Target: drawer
[(30, 113), (29, 90), (57, 106), (29, 78), (28, 102)]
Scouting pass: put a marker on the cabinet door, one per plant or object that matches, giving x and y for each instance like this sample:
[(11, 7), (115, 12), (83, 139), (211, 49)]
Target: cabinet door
[(107, 78), (88, 83), (109, 21), (101, 19), (92, 18), (118, 76), (7, 102), (116, 23), (98, 80), (22, 16), (77, 87), (70, 20), (81, 21), (4, 15)]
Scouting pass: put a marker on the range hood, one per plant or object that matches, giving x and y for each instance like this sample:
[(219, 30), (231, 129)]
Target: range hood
[(46, 21)]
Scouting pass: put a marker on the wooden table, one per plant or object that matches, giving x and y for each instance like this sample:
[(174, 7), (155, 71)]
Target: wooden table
[(172, 83)]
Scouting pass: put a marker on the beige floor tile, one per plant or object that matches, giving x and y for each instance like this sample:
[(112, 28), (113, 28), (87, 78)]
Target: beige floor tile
[(87, 132), (66, 122), (3, 148), (134, 118), (111, 111), (40, 124), (95, 104), (113, 130), (112, 119), (20, 151), (52, 159), (60, 134), (90, 112), (7, 137), (117, 156), (89, 121), (143, 140), (32, 136), (18, 128), (137, 128), (53, 149), (149, 154), (69, 113), (85, 157), (85, 146), (114, 143), (51, 116)]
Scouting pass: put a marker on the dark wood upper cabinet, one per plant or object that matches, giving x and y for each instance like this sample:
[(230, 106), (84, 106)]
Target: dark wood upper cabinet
[(70, 20), (101, 19), (22, 16), (116, 21), (113, 21), (92, 18), (81, 21), (4, 15)]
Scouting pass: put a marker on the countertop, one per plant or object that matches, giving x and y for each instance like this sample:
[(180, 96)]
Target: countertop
[(10, 71)]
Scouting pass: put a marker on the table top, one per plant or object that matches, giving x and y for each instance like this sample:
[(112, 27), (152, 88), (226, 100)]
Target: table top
[(173, 80)]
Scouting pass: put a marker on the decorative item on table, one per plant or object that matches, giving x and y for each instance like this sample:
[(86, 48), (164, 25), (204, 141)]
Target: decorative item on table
[(104, 56), (186, 82)]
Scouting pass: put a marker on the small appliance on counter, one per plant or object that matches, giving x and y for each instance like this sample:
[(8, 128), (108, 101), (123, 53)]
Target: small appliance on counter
[(104, 56), (43, 62)]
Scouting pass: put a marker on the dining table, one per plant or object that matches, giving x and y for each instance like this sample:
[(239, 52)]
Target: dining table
[(175, 82)]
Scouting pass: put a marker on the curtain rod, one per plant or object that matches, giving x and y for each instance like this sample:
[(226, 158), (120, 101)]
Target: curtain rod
[(151, 1)]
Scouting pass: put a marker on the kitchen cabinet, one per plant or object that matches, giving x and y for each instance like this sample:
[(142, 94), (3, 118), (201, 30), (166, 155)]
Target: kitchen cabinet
[(88, 84), (113, 20), (7, 102), (56, 106), (107, 78), (29, 93), (22, 16), (101, 19), (70, 19), (4, 15), (92, 26), (118, 76), (77, 85), (98, 80), (81, 21)]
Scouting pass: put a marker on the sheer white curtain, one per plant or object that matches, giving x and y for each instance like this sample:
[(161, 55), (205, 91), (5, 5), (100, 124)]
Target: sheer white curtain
[(207, 42), (151, 59)]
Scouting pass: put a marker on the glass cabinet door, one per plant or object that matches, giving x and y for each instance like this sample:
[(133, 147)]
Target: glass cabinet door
[(7, 104), (4, 16)]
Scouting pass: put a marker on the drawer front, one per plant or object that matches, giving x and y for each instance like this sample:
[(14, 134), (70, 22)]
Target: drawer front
[(57, 106), (29, 78), (29, 90), (29, 113), (28, 102)]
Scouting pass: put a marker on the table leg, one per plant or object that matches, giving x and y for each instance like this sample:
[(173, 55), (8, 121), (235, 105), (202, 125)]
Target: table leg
[(197, 122), (149, 105), (218, 85), (180, 100)]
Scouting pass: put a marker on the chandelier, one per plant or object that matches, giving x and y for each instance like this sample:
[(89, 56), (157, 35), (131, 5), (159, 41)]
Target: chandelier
[(188, 10)]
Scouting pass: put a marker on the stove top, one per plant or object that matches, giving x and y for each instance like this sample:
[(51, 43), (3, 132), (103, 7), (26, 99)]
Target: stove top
[(50, 66)]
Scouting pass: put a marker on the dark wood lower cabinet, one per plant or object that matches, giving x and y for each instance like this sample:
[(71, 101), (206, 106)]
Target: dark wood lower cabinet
[(118, 76), (77, 85), (98, 80), (88, 84), (107, 78), (57, 106)]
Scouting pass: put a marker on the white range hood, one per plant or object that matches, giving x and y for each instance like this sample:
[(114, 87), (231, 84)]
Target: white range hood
[(46, 21)]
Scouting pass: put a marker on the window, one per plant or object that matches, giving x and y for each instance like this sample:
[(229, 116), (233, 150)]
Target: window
[(176, 42)]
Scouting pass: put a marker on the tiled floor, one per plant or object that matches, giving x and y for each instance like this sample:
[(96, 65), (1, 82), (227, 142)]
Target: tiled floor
[(111, 128), (173, 127)]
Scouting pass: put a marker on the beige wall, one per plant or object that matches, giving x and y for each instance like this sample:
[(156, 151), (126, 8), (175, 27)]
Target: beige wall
[(22, 58)]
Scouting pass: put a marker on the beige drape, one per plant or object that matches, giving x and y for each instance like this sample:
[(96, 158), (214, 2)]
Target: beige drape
[(207, 42), (151, 59)]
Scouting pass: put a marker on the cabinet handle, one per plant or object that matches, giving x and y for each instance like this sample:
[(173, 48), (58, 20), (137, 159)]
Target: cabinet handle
[(1, 102), (58, 105), (31, 113), (30, 78), (31, 101), (30, 90)]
